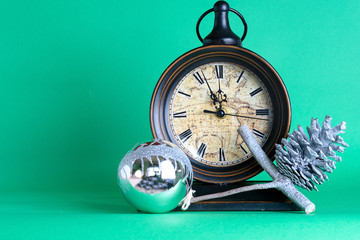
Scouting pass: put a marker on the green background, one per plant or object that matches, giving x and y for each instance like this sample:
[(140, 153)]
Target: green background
[(76, 79)]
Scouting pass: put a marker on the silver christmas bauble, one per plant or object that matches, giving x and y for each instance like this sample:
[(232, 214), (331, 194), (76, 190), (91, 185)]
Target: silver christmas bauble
[(155, 176)]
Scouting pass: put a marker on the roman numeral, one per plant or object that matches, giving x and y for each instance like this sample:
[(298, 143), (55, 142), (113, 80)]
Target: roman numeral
[(221, 155), (198, 77), (260, 112), (201, 150), (258, 133), (185, 94), (242, 148), (219, 69), (184, 136), (180, 115), (256, 91), (240, 76)]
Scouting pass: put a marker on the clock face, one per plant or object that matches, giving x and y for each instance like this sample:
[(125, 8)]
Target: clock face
[(202, 99), (210, 103)]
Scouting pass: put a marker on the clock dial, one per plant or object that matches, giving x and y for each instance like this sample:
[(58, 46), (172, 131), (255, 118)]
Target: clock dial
[(231, 96), (205, 95)]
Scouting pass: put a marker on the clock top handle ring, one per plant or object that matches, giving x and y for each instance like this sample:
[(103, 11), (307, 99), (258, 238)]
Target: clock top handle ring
[(221, 33)]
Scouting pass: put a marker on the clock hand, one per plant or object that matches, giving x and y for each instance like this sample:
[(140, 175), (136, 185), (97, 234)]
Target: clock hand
[(212, 94), (221, 113), (219, 69), (220, 91)]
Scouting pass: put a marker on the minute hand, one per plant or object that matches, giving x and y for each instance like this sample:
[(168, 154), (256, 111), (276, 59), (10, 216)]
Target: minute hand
[(235, 115), (212, 94)]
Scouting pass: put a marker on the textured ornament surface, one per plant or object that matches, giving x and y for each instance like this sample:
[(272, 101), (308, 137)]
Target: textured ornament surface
[(155, 176), (305, 159)]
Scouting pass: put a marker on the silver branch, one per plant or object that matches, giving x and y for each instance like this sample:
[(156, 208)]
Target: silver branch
[(302, 161), (305, 159)]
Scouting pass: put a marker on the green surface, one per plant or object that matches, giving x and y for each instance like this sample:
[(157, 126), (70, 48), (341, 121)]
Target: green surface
[(76, 79), (108, 216)]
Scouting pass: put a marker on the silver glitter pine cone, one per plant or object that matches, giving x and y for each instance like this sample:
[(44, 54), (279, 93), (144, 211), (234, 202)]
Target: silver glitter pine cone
[(305, 159)]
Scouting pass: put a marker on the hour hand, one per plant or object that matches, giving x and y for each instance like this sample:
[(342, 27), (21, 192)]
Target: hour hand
[(208, 111)]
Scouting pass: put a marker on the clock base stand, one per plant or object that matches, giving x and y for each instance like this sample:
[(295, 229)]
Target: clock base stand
[(256, 200)]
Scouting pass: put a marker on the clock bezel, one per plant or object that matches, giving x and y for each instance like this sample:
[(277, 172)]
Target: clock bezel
[(222, 53)]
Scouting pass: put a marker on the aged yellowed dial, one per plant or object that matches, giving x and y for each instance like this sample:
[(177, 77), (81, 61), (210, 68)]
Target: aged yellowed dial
[(209, 104)]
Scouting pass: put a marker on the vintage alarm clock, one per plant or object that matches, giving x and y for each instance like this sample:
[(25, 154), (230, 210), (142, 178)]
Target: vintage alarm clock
[(206, 94)]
